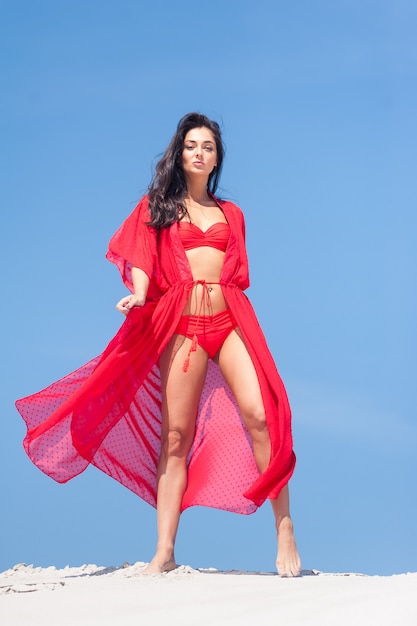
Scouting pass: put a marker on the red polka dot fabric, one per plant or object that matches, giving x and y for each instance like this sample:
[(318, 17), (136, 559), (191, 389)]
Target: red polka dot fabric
[(108, 412), (221, 461)]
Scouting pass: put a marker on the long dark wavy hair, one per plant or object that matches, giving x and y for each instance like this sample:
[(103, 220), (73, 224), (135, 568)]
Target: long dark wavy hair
[(168, 188)]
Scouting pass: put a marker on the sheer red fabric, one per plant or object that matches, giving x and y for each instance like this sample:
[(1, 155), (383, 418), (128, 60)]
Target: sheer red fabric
[(108, 412)]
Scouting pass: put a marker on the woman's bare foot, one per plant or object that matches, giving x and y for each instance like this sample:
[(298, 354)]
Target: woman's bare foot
[(288, 560), (160, 566)]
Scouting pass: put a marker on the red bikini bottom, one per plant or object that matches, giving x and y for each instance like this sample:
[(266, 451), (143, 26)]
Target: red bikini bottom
[(208, 331)]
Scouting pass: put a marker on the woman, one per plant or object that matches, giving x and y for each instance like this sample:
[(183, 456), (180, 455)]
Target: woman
[(185, 405)]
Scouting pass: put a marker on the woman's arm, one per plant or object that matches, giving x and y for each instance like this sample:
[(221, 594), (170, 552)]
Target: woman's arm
[(138, 297)]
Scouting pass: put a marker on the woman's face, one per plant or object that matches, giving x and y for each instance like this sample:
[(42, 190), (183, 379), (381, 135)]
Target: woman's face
[(199, 155)]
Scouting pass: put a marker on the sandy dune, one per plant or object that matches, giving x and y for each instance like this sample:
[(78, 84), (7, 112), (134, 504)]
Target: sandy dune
[(122, 595)]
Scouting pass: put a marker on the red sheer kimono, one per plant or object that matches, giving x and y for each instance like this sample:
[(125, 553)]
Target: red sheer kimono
[(108, 412)]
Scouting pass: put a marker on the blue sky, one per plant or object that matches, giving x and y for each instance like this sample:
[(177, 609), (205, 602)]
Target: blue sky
[(317, 101)]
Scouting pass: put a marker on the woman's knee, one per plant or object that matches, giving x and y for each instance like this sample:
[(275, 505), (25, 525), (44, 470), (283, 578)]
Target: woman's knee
[(176, 442), (255, 420)]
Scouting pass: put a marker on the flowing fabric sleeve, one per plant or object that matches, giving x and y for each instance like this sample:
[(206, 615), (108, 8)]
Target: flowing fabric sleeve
[(134, 244), (242, 217), (235, 267)]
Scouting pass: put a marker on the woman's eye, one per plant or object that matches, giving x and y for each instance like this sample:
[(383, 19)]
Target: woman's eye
[(209, 148)]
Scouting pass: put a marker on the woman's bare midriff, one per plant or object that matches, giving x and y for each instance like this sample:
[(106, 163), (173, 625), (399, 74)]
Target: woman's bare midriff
[(206, 264)]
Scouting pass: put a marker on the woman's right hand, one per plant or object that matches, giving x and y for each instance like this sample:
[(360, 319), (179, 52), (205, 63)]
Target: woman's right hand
[(128, 302)]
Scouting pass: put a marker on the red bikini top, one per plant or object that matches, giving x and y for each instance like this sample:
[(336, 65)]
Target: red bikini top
[(192, 236)]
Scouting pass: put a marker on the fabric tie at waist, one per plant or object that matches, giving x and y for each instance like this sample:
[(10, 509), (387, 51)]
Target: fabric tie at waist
[(205, 301)]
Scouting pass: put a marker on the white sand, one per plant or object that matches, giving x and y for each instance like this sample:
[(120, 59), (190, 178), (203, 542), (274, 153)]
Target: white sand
[(90, 595)]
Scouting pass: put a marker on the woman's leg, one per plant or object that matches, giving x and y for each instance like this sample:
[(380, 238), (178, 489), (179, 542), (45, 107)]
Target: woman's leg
[(240, 374), (180, 397)]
